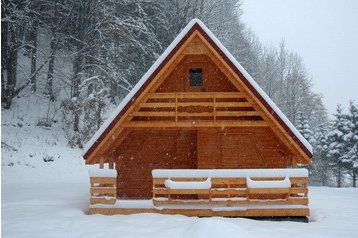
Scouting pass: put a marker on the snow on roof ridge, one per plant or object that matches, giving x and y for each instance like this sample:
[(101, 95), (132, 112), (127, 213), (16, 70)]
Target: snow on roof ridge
[(169, 49)]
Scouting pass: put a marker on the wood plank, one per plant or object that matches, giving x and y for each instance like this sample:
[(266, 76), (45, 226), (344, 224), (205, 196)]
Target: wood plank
[(253, 191), (230, 95), (195, 114), (193, 202), (160, 95), (231, 192), (196, 95), (103, 180), (154, 114), (293, 212), (188, 191), (195, 124), (157, 105), (233, 104), (237, 113), (158, 191), (182, 95), (298, 190), (202, 104), (289, 201), (104, 191), (99, 200)]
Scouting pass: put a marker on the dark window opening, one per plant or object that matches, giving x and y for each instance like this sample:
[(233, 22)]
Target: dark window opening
[(196, 77)]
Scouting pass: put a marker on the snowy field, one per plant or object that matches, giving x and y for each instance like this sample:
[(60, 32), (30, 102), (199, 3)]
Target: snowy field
[(50, 199), (52, 202)]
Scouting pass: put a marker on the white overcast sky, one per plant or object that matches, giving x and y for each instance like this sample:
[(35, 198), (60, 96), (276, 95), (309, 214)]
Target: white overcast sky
[(323, 32)]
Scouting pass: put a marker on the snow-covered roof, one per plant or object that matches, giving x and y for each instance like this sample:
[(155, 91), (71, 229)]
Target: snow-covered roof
[(183, 34)]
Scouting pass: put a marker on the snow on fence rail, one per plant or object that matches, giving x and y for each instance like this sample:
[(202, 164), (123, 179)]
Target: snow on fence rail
[(286, 183), (228, 173), (104, 173), (231, 187), (187, 185)]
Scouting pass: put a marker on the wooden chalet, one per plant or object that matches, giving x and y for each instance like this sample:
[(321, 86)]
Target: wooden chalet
[(197, 136)]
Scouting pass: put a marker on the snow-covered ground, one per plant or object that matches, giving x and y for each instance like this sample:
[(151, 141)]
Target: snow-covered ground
[(52, 202), (50, 199)]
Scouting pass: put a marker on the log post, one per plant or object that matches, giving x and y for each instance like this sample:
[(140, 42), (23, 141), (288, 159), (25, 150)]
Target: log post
[(101, 164), (294, 162)]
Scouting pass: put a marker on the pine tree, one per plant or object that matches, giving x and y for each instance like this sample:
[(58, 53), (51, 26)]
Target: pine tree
[(304, 128), (350, 158), (338, 143), (320, 167)]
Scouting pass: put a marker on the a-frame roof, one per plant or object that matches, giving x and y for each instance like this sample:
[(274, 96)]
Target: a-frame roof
[(197, 25)]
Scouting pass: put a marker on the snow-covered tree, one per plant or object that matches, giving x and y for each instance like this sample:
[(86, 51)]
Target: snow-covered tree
[(320, 168), (111, 44), (338, 144), (304, 128), (350, 157)]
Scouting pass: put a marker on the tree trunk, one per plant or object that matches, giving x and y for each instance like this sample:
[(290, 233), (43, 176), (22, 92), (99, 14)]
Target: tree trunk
[(76, 93), (4, 53), (33, 55), (9, 49), (354, 178), (11, 66), (339, 176), (78, 63), (51, 66)]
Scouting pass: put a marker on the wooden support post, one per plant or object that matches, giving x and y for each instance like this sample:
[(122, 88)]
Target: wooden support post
[(101, 164), (294, 162), (214, 107), (305, 186), (176, 108), (111, 165)]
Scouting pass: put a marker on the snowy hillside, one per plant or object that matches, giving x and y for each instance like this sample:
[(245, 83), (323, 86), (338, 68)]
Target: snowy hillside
[(50, 199)]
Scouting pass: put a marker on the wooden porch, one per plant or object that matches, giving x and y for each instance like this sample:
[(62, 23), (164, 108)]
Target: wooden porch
[(232, 193)]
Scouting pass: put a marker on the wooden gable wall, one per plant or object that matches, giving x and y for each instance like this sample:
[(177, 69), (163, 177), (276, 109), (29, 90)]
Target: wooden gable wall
[(172, 125), (143, 149)]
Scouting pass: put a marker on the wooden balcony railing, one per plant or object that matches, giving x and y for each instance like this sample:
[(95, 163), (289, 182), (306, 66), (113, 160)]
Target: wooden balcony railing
[(196, 109)]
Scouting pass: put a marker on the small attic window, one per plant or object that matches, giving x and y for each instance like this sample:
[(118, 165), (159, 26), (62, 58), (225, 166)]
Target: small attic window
[(196, 77)]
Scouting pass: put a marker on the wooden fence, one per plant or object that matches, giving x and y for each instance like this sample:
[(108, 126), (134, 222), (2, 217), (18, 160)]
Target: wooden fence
[(231, 191), (103, 187)]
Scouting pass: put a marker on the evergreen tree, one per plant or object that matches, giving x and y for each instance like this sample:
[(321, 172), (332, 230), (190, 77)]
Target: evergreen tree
[(111, 44), (320, 168), (350, 158), (338, 144), (304, 128)]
